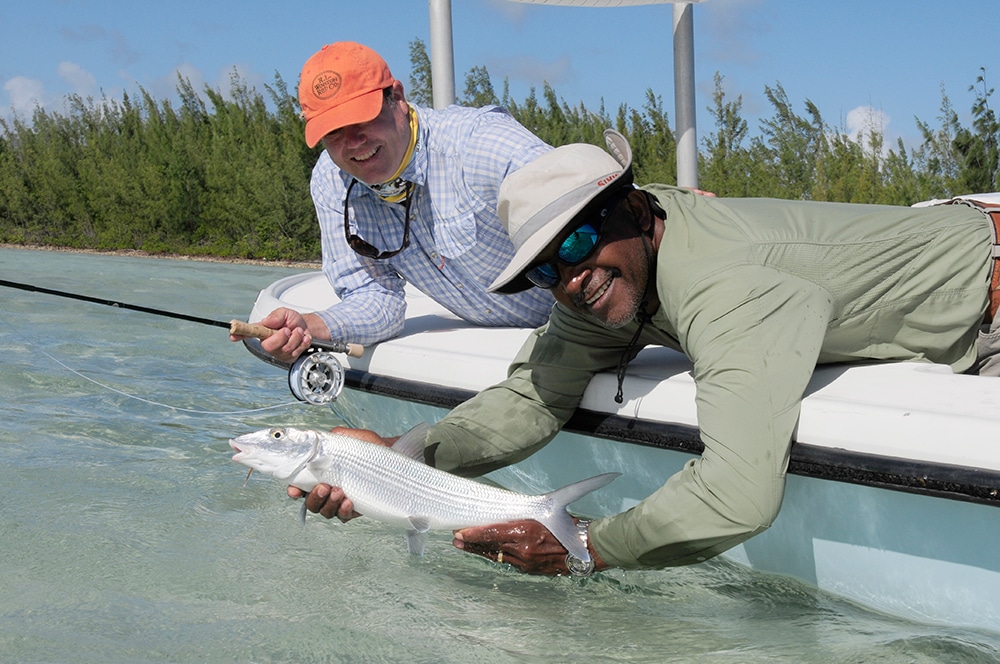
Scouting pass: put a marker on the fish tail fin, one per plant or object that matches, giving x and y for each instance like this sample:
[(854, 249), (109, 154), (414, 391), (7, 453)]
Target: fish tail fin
[(561, 524)]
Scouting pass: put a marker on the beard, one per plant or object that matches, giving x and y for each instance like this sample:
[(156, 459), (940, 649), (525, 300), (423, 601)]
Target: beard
[(633, 300), (627, 315)]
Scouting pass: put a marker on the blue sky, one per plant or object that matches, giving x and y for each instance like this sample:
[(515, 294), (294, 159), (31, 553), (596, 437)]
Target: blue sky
[(892, 56)]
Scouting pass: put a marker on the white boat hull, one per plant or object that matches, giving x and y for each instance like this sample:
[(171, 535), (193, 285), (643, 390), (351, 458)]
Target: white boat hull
[(893, 494)]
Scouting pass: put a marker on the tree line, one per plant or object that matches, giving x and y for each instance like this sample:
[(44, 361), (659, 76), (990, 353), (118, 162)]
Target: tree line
[(227, 175)]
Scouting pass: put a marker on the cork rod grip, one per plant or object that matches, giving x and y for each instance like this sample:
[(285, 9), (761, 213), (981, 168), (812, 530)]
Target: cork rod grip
[(258, 331)]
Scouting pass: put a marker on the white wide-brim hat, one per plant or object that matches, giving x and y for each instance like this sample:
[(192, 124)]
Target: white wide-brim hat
[(543, 197)]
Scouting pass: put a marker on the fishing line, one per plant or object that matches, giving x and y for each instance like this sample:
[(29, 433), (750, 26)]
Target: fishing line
[(343, 418), (133, 307), (165, 405)]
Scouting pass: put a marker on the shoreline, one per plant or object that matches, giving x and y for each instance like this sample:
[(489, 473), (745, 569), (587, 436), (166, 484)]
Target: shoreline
[(310, 265)]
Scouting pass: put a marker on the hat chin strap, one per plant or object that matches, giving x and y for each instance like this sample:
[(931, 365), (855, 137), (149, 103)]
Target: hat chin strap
[(641, 314)]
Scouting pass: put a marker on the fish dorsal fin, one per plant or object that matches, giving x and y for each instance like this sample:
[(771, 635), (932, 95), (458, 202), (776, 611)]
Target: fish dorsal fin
[(411, 443)]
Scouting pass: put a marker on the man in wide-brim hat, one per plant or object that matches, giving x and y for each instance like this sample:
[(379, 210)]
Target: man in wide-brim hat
[(756, 292)]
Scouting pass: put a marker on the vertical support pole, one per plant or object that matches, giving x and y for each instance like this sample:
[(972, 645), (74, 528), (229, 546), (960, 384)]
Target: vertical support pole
[(442, 53), (684, 96)]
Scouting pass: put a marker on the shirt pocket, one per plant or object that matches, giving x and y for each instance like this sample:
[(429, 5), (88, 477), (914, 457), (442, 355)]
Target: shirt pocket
[(455, 234)]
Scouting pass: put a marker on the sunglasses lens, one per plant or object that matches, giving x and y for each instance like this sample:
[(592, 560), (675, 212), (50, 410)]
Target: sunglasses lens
[(543, 276), (361, 247), (578, 245), (573, 251)]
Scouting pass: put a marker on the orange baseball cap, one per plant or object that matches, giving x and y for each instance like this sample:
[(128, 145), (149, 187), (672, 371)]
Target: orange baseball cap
[(341, 84)]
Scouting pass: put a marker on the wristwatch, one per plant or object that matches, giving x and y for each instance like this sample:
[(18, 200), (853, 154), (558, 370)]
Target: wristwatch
[(576, 566)]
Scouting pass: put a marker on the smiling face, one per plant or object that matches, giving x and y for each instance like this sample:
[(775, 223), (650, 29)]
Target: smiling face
[(372, 151), (610, 285)]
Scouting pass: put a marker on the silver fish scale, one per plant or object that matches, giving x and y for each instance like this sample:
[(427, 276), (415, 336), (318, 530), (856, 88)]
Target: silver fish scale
[(387, 485)]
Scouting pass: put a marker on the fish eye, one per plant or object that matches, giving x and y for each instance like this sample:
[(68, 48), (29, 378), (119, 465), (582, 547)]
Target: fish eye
[(277, 434)]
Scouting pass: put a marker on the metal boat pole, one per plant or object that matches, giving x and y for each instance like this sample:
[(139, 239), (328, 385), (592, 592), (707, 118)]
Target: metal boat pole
[(442, 54), (684, 97)]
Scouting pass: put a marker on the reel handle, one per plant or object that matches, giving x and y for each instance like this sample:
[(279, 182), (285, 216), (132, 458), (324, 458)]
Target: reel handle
[(258, 331)]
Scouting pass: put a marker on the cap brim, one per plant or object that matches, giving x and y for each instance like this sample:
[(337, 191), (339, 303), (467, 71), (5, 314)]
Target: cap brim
[(362, 108)]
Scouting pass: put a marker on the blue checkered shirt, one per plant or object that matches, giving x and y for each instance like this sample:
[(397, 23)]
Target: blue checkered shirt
[(457, 244)]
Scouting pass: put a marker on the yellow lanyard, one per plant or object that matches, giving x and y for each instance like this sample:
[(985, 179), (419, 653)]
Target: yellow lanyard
[(394, 189)]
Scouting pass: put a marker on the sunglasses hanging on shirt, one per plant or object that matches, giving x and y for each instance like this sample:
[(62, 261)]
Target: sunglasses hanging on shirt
[(361, 247)]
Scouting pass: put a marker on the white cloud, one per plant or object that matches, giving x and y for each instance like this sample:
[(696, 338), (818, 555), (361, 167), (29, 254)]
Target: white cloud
[(863, 120), (251, 79), (166, 86), (79, 79), (533, 70), (25, 93), (512, 12), (191, 73), (736, 29), (113, 40)]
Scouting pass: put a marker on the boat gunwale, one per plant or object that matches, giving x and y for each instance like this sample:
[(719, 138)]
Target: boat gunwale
[(949, 481)]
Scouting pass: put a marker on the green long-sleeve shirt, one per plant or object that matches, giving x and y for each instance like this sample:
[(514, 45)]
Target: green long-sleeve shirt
[(755, 292)]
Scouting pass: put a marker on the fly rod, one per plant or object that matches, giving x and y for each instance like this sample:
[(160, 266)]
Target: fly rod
[(236, 327)]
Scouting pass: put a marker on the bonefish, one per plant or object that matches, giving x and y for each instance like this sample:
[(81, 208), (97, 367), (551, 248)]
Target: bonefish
[(390, 485)]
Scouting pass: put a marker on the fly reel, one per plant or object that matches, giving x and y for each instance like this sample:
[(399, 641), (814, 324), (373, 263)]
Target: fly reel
[(317, 377)]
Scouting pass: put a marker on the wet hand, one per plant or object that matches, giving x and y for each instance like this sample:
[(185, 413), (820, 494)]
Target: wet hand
[(327, 501), (330, 501), (526, 545)]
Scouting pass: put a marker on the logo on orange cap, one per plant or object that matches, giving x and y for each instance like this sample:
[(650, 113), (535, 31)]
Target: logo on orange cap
[(326, 84)]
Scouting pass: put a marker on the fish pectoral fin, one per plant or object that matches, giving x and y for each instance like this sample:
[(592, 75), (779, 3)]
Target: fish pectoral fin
[(416, 540), (416, 535), (420, 524)]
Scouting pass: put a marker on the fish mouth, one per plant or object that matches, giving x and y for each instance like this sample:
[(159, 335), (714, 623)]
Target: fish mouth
[(232, 444)]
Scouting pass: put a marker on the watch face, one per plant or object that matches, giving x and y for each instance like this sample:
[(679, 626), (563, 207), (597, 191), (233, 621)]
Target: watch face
[(579, 567)]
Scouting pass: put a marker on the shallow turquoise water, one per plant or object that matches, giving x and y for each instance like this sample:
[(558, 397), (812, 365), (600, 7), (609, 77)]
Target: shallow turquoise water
[(127, 535)]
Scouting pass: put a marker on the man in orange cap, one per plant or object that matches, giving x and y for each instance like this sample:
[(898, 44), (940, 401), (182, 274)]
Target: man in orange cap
[(403, 193)]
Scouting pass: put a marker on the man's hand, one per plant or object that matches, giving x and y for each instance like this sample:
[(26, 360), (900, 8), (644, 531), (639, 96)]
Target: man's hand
[(527, 545), (325, 500), (330, 501), (291, 337)]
